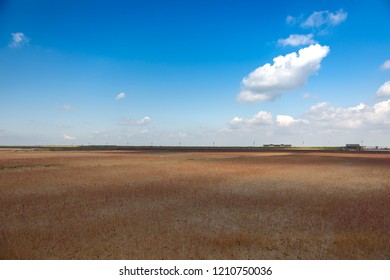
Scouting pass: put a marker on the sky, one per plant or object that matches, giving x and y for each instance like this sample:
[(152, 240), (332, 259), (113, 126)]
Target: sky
[(195, 72)]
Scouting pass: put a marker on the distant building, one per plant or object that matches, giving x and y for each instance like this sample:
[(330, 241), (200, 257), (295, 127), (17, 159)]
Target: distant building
[(353, 147), (277, 145), (268, 145), (376, 148)]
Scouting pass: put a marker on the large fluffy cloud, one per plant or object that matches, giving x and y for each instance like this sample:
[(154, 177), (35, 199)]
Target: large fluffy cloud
[(285, 120), (286, 73), (384, 90)]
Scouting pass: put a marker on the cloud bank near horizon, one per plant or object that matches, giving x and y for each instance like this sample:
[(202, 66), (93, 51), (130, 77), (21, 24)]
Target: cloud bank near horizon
[(323, 116)]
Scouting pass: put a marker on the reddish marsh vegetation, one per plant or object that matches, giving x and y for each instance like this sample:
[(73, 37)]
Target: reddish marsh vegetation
[(129, 205)]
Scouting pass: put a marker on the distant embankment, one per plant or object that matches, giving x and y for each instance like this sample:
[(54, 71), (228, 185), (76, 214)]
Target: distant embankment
[(181, 148)]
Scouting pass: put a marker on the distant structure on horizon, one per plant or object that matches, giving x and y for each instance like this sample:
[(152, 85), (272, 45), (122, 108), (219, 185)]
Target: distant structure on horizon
[(376, 148), (357, 147), (277, 145), (353, 147)]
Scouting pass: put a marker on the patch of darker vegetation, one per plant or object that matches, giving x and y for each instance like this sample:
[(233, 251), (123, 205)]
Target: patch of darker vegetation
[(27, 166)]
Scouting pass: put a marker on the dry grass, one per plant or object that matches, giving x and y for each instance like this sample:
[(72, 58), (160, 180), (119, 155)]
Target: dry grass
[(128, 205)]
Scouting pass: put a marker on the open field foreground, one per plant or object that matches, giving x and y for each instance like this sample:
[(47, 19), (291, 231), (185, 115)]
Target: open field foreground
[(150, 205)]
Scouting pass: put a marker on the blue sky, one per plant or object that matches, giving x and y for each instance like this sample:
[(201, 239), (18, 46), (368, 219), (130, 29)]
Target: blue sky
[(194, 72)]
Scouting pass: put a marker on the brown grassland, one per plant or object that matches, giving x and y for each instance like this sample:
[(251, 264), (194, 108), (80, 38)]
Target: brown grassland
[(193, 205)]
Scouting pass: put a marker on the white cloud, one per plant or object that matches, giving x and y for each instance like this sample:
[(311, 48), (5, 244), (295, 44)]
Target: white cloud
[(285, 120), (145, 132), (262, 118), (321, 124), (120, 96), (67, 107), (379, 116), (382, 107), (323, 115), (306, 95), (68, 137), (144, 121), (236, 121), (179, 135), (338, 17), (386, 65), (318, 106), (291, 20), (297, 40), (18, 40), (288, 72), (126, 121), (384, 90), (325, 18)]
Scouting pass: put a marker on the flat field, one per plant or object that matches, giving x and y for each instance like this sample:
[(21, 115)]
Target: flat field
[(193, 205)]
